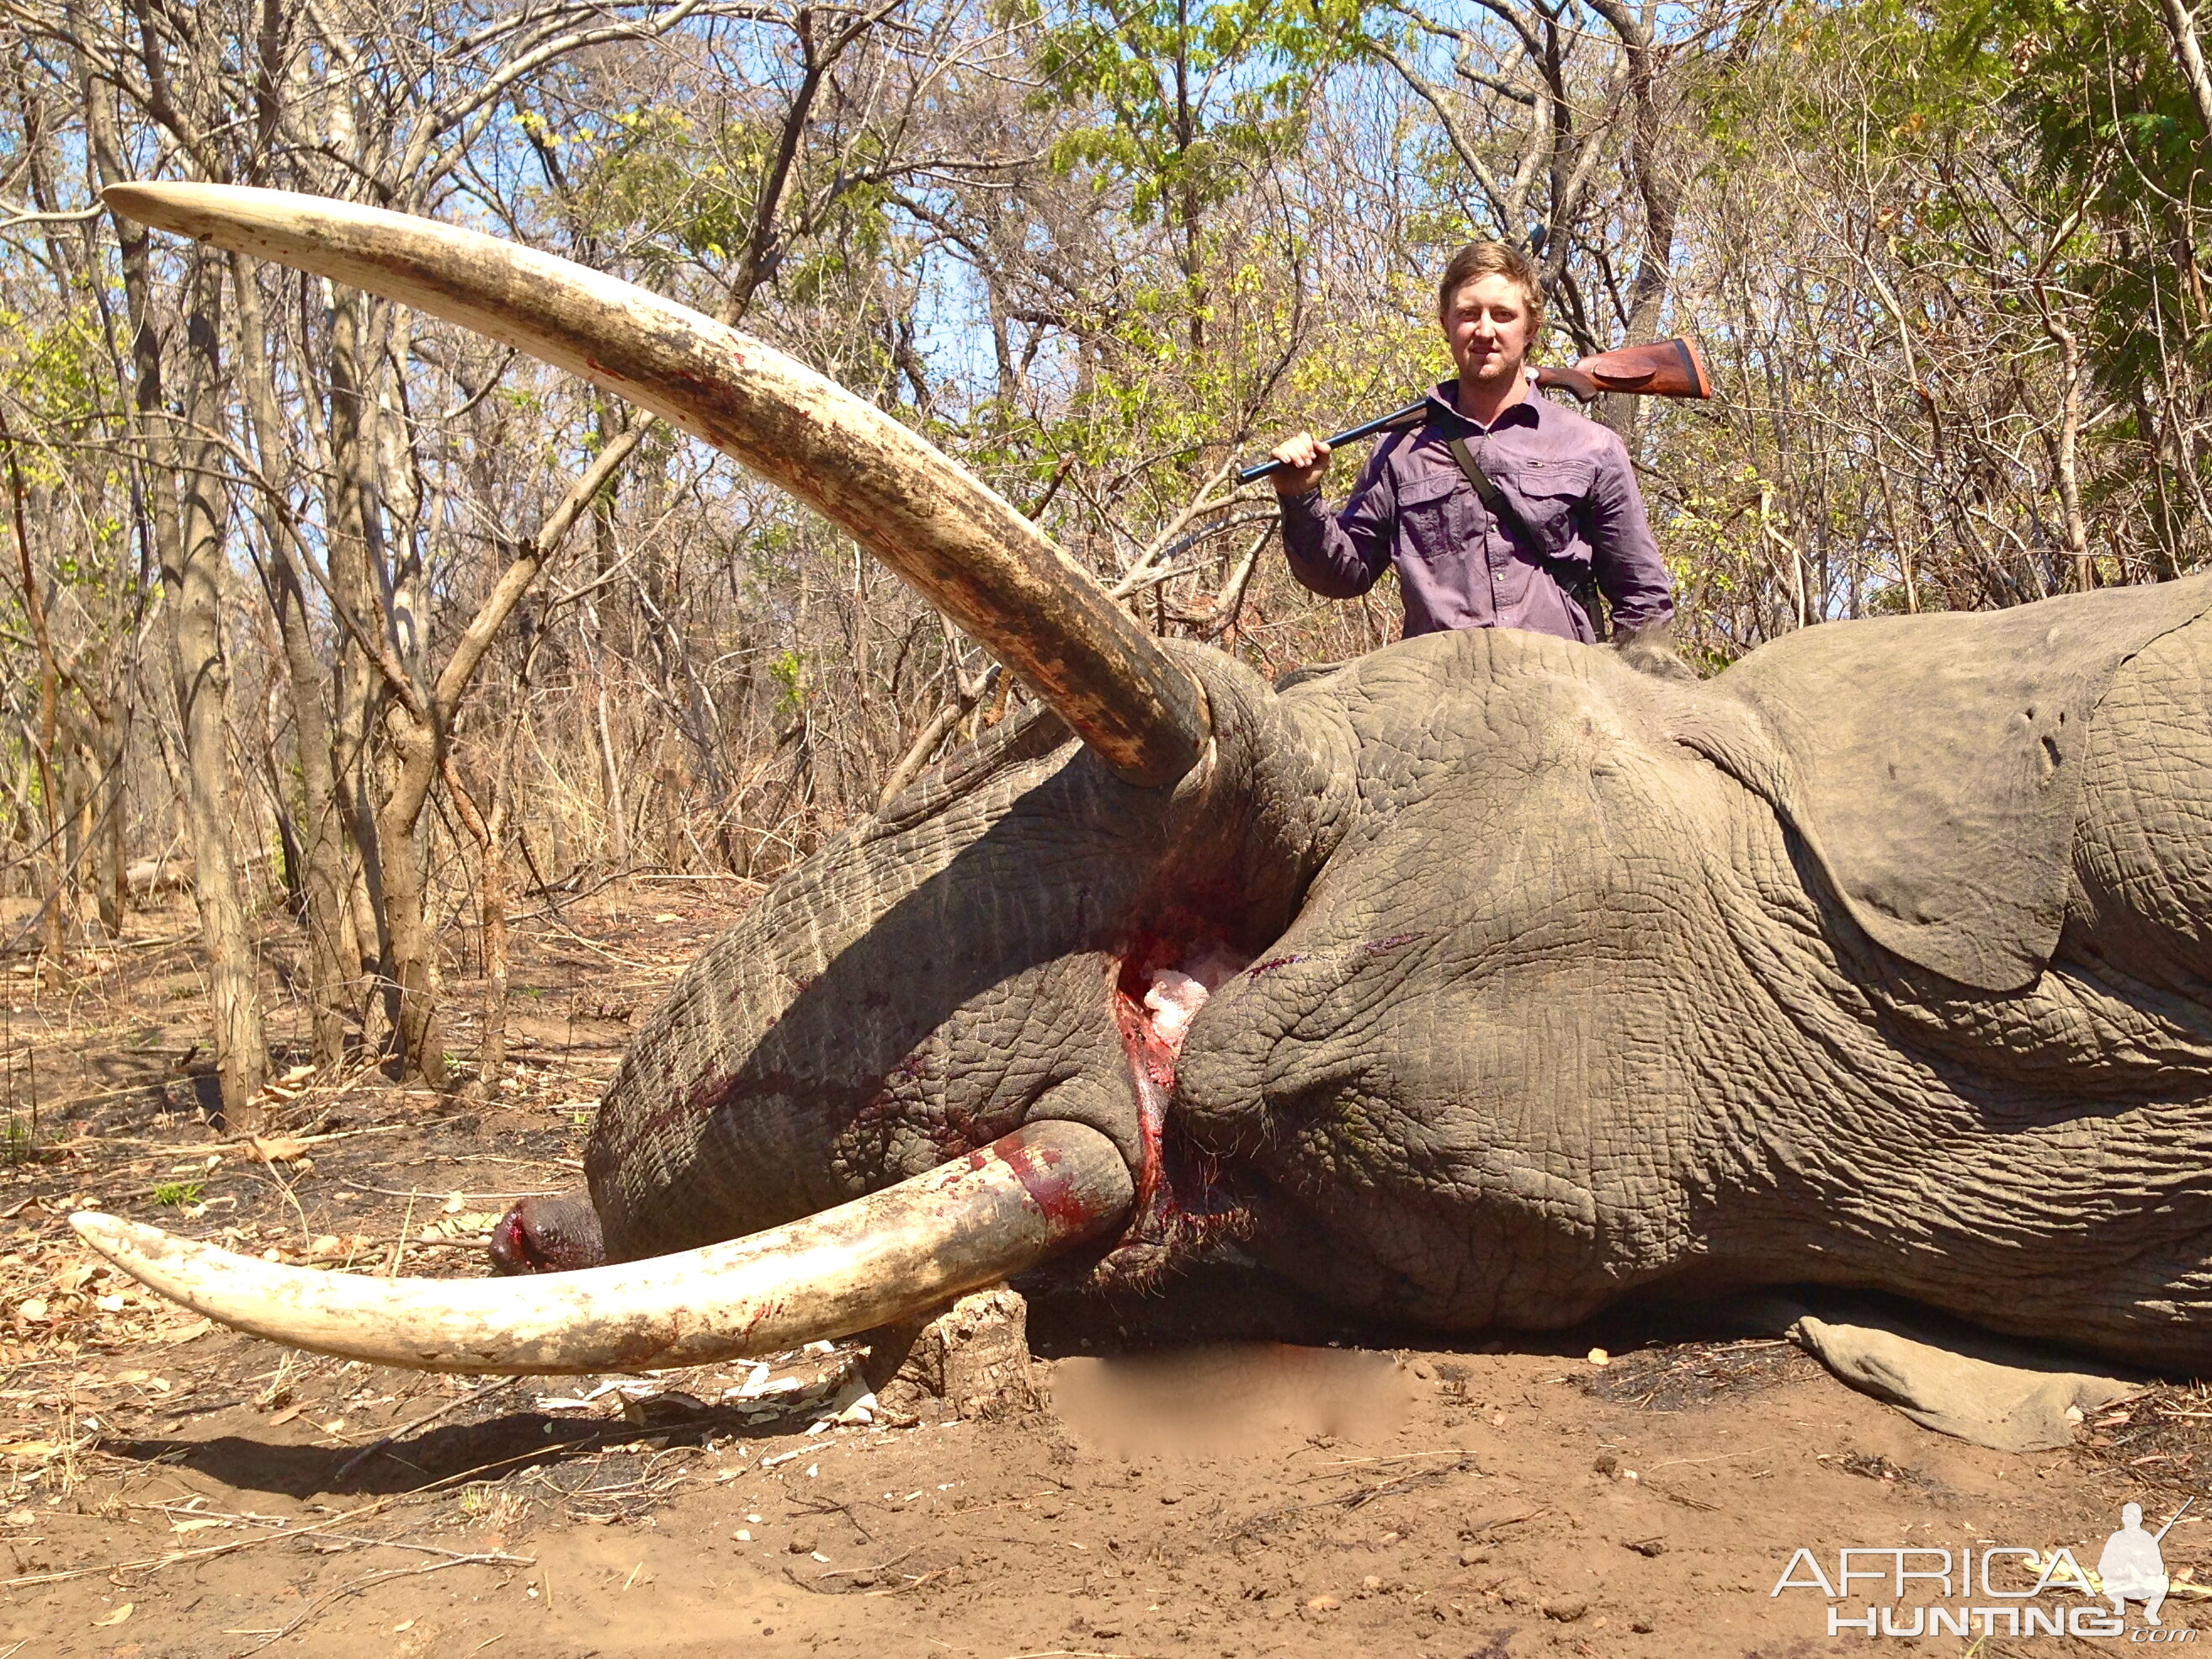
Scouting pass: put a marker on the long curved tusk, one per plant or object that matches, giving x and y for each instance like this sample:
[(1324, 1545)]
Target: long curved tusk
[(1011, 1206), (957, 541)]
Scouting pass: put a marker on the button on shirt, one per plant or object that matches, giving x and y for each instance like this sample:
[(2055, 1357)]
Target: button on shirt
[(1457, 566)]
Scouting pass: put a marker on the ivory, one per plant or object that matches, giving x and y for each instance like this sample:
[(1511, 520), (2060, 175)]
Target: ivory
[(958, 543), (891, 1255)]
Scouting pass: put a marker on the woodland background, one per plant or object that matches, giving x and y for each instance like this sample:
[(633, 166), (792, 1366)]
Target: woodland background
[(376, 635)]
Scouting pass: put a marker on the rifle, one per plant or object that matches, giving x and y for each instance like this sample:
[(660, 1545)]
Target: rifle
[(1666, 368), (2159, 1536)]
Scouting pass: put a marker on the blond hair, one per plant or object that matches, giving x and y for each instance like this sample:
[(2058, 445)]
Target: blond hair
[(1479, 259)]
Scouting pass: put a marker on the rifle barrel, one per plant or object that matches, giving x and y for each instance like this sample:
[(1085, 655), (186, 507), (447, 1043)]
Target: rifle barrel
[(1397, 417), (2159, 1536)]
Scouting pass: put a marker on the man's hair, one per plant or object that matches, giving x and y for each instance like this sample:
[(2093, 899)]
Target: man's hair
[(1480, 259)]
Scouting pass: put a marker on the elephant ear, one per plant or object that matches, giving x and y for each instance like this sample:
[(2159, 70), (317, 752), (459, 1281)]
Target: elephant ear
[(1931, 764)]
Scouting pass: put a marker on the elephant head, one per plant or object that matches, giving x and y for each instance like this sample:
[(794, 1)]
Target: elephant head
[(1483, 981)]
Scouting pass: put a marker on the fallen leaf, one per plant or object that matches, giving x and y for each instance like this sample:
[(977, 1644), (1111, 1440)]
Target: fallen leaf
[(118, 1615), (198, 1328), (277, 1149)]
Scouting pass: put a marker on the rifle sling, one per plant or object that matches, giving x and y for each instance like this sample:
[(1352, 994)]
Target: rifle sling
[(1577, 581)]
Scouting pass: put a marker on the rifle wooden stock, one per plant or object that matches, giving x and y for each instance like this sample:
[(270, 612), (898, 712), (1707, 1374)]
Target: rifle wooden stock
[(1665, 368)]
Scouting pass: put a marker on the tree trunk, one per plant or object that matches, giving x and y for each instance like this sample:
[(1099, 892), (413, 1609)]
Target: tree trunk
[(110, 884), (610, 769), (491, 1059), (54, 916), (1660, 193), (416, 726), (2189, 53), (412, 961), (2067, 453), (324, 853), (2167, 542), (191, 555), (183, 489), (356, 684), (489, 833)]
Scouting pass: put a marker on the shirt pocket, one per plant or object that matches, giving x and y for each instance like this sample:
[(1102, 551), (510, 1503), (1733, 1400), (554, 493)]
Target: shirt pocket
[(1546, 492), (1427, 527)]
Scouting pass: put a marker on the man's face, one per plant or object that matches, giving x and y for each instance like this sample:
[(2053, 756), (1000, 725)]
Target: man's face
[(1486, 326)]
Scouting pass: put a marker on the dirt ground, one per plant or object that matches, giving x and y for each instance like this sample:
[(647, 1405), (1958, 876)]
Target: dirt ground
[(172, 1489)]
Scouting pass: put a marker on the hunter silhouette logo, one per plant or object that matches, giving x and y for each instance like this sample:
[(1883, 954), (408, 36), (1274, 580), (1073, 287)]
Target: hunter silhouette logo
[(1956, 1592), (2131, 1568)]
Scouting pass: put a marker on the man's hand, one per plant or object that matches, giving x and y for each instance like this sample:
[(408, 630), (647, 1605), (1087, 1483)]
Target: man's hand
[(1304, 458)]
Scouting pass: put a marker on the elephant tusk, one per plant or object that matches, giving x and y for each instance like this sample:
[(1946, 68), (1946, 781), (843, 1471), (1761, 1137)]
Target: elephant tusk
[(956, 541), (894, 1253)]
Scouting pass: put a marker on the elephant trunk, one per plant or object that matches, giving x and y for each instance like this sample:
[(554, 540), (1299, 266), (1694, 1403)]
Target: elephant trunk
[(952, 539), (892, 1255)]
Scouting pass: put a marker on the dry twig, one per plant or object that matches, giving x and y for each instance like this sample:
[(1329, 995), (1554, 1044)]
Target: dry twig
[(385, 1578)]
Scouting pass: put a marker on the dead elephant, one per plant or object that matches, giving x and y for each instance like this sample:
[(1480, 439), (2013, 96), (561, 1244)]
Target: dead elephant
[(1481, 983)]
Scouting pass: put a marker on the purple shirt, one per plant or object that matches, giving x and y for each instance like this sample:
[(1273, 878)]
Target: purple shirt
[(1457, 565)]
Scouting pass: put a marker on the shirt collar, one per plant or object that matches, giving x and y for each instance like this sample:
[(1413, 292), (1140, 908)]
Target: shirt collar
[(1529, 412)]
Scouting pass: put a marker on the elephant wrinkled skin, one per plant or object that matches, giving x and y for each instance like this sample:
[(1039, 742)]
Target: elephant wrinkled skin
[(1559, 981)]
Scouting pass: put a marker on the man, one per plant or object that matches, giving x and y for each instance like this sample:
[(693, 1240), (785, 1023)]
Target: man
[(1462, 563)]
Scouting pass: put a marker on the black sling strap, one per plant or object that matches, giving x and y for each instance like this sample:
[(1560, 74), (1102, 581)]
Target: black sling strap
[(1578, 581)]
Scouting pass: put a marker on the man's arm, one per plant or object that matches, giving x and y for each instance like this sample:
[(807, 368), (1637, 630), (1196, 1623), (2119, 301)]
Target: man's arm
[(1340, 557), (1624, 557)]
